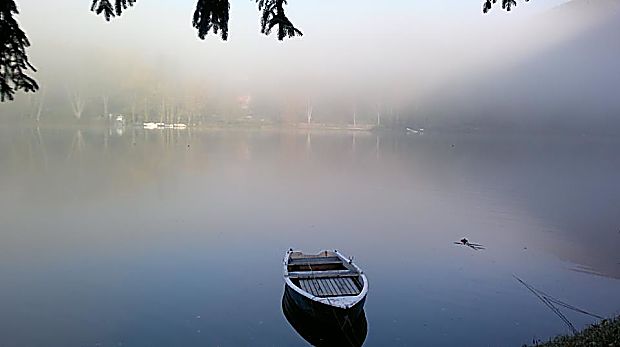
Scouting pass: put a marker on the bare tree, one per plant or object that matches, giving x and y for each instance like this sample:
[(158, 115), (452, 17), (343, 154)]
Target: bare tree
[(106, 102), (146, 108), (309, 111), (77, 145), (77, 103), (40, 108), (134, 107), (36, 105), (162, 116)]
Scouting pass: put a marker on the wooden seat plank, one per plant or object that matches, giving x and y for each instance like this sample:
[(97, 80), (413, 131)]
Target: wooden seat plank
[(332, 291), (333, 288), (353, 285), (341, 288), (324, 288), (312, 261), (304, 286), (311, 287), (307, 286), (317, 288), (322, 274), (337, 288), (346, 286), (350, 285), (329, 287), (337, 283)]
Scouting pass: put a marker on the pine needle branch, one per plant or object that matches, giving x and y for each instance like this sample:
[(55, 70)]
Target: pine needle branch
[(14, 62)]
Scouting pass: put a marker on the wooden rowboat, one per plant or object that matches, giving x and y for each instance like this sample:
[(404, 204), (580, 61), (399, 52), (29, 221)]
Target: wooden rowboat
[(325, 283)]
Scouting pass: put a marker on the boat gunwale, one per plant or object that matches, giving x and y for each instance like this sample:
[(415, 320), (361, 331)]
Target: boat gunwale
[(343, 302)]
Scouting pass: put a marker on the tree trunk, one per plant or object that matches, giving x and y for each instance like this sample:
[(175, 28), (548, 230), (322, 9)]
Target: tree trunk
[(77, 104), (162, 116), (106, 100), (146, 108), (40, 108), (309, 112)]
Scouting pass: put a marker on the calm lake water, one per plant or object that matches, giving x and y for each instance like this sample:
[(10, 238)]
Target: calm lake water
[(175, 238)]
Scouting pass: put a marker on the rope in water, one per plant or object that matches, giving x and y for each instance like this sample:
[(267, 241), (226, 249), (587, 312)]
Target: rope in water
[(549, 301)]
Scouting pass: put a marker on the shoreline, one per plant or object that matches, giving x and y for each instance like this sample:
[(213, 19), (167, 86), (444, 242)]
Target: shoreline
[(604, 333)]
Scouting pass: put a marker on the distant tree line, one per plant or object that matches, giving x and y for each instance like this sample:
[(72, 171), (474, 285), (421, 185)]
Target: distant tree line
[(209, 16)]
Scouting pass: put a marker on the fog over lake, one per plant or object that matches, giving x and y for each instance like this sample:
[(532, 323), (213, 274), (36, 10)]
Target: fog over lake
[(143, 238)]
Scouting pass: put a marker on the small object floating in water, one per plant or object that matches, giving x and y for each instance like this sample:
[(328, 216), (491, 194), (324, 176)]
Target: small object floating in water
[(409, 130), (325, 283), (465, 242)]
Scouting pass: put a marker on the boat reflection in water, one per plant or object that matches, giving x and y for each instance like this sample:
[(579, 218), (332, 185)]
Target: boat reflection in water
[(322, 328)]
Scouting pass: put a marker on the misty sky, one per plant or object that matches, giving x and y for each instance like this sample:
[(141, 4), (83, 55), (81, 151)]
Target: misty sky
[(164, 21), (409, 50), (341, 37)]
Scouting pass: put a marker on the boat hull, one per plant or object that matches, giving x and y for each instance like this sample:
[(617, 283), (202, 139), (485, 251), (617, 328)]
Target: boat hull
[(327, 330), (317, 309)]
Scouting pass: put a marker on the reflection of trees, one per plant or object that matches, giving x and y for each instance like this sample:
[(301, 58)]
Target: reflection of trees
[(77, 144), (309, 109), (37, 153), (308, 142), (138, 159), (106, 105)]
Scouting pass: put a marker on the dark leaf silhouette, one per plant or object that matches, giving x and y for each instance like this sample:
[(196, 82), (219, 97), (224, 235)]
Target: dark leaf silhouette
[(108, 10), (506, 5), (13, 58), (273, 14), (212, 15)]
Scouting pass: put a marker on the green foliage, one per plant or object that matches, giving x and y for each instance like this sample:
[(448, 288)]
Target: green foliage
[(606, 333)]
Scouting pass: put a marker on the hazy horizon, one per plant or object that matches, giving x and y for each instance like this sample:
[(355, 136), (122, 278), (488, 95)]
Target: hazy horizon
[(422, 64)]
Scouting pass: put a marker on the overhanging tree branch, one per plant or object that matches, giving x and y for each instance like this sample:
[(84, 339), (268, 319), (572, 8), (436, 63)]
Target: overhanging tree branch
[(212, 15), (13, 58), (506, 5), (108, 10), (273, 14)]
